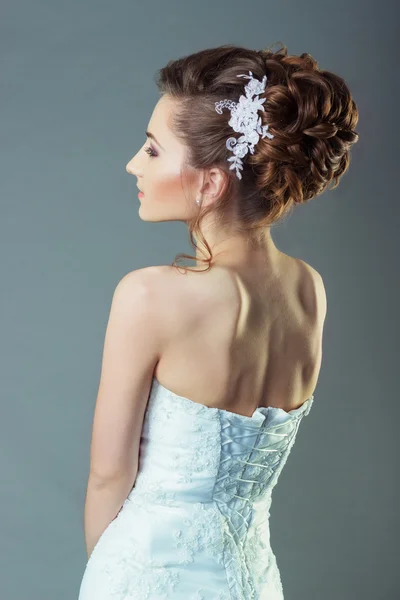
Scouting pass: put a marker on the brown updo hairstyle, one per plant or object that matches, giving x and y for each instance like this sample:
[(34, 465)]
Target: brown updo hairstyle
[(310, 113)]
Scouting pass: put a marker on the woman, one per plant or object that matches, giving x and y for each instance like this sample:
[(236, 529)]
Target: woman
[(208, 372)]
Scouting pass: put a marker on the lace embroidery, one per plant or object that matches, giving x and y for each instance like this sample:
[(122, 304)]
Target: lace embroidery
[(190, 462), (149, 493), (199, 535)]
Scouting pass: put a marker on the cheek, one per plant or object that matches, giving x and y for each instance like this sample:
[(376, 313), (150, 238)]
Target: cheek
[(168, 188)]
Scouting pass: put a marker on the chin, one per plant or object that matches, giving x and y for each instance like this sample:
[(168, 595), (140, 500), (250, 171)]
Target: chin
[(146, 215), (142, 213)]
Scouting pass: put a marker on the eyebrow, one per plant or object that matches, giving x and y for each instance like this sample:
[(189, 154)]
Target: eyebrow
[(153, 137)]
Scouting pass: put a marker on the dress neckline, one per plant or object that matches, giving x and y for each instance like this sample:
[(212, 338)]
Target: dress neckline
[(259, 410)]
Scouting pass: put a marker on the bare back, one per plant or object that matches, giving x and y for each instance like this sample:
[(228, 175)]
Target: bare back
[(238, 340)]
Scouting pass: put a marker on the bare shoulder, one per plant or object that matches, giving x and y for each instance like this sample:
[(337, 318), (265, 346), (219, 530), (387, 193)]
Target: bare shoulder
[(156, 292), (178, 296), (160, 284), (316, 289), (143, 279), (152, 279)]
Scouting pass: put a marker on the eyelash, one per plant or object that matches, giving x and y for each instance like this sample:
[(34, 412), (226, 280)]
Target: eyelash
[(150, 151)]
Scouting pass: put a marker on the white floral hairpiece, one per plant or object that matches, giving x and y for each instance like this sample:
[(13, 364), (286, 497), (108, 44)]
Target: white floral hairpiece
[(244, 119)]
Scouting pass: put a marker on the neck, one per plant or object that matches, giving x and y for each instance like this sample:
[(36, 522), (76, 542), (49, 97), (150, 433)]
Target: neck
[(237, 250)]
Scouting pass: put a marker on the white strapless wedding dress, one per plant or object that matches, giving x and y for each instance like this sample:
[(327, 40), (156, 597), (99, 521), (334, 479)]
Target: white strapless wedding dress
[(195, 525)]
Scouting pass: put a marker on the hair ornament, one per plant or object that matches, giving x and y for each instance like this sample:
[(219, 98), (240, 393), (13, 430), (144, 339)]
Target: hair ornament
[(244, 119)]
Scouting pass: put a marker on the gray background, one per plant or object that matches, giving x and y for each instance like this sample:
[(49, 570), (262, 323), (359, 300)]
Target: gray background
[(77, 90)]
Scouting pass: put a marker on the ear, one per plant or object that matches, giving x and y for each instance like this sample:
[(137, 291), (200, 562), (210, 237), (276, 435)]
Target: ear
[(213, 184)]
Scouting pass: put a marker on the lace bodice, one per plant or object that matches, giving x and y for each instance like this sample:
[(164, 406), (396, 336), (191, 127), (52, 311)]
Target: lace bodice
[(195, 525)]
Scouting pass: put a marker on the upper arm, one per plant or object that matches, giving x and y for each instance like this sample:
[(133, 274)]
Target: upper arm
[(132, 347), (321, 296), (320, 321), (318, 304), (318, 294)]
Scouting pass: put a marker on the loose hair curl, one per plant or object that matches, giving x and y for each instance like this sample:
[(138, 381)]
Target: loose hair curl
[(310, 112)]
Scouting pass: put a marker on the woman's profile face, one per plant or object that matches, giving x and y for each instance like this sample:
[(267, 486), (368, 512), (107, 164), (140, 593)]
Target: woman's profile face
[(157, 166)]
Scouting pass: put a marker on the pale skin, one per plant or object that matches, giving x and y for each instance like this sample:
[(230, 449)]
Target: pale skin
[(247, 333)]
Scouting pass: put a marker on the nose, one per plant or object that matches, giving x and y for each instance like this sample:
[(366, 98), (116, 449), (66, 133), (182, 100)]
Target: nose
[(130, 167)]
